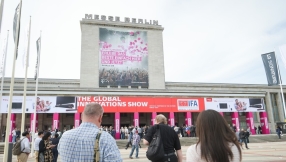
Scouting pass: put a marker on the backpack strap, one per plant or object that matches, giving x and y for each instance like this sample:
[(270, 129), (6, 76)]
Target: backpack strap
[(96, 147)]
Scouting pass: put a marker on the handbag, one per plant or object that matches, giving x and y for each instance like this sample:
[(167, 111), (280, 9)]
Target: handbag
[(155, 150)]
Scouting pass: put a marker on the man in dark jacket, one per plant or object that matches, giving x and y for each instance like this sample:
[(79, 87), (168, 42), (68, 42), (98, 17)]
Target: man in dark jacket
[(55, 141), (242, 136)]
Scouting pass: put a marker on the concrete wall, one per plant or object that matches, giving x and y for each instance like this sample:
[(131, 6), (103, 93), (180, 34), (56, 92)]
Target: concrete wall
[(89, 72)]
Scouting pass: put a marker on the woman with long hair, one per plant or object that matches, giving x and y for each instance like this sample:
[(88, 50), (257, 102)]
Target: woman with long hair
[(216, 141), (45, 149)]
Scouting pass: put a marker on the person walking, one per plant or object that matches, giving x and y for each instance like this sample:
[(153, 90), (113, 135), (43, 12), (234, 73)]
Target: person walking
[(55, 141), (278, 131), (3, 136), (216, 141), (79, 144), (36, 145), (135, 145), (25, 147), (14, 135), (170, 140), (129, 138), (45, 149), (242, 136)]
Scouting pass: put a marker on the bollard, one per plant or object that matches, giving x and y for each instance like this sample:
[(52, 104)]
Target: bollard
[(10, 152)]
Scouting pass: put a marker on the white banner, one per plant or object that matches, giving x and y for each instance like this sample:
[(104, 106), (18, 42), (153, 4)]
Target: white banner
[(4, 51), (45, 104), (235, 104)]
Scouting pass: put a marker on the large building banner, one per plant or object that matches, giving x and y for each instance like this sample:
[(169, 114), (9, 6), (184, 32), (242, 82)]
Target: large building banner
[(235, 104), (143, 104), (123, 57), (44, 104)]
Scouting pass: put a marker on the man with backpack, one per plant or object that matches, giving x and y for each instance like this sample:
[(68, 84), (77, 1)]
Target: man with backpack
[(22, 148)]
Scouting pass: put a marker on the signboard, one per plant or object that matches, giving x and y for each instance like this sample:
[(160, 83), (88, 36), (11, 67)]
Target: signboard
[(142, 104), (123, 57), (45, 104), (235, 104)]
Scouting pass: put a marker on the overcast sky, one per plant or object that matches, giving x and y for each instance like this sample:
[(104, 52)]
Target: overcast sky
[(204, 41)]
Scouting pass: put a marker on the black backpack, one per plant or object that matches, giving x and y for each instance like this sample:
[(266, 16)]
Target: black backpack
[(155, 150)]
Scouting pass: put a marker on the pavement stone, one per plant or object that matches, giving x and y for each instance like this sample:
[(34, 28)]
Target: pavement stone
[(258, 152)]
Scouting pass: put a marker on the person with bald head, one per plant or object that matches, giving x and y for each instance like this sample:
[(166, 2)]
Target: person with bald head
[(170, 140), (79, 144)]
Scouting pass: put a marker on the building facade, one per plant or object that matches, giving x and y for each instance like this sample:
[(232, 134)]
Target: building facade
[(122, 68)]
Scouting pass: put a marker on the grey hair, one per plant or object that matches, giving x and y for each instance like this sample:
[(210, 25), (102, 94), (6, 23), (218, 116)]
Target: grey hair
[(93, 109), (161, 119)]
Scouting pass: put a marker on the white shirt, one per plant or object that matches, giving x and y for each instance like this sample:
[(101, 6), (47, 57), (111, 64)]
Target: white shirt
[(194, 153), (25, 145), (37, 142), (14, 132)]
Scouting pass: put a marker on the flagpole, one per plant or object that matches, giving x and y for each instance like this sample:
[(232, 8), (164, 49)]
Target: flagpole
[(281, 89), (25, 84), (3, 73), (1, 12), (36, 95), (8, 123)]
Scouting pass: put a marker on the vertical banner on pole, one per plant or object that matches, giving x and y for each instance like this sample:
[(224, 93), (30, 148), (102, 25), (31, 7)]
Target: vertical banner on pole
[(171, 119), (153, 118), (76, 120), (264, 123), (188, 118), (117, 125), (249, 122), (13, 126), (136, 119), (235, 120), (56, 118)]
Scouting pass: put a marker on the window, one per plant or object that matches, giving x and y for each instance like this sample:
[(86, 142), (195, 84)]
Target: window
[(141, 114), (106, 115), (69, 114), (49, 115), (255, 119), (123, 115), (274, 107)]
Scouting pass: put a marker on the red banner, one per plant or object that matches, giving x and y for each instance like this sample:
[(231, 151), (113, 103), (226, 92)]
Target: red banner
[(143, 104)]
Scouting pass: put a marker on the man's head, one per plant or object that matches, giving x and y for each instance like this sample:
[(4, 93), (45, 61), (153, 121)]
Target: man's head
[(161, 119), (41, 134), (26, 134), (93, 113)]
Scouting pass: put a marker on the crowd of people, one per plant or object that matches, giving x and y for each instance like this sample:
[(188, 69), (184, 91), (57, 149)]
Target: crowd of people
[(115, 77), (97, 143)]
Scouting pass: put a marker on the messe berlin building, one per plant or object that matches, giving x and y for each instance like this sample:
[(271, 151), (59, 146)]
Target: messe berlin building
[(122, 68)]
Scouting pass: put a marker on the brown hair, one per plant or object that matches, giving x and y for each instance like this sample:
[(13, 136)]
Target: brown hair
[(215, 136)]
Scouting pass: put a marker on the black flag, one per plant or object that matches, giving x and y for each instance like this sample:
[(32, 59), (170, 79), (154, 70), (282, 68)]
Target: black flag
[(17, 18), (270, 66), (38, 43)]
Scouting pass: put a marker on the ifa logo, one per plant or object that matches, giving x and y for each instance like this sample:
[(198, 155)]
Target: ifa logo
[(188, 104)]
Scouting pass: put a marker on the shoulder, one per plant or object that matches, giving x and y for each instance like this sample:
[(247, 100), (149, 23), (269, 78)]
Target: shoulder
[(235, 151), (193, 153)]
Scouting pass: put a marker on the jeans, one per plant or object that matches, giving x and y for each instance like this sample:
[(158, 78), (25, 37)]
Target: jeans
[(133, 148), (122, 136), (244, 140), (14, 139), (279, 135), (247, 139), (55, 153), (129, 143)]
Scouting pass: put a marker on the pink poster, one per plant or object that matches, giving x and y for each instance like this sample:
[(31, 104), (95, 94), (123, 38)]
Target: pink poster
[(171, 120), (32, 120), (153, 118), (264, 123), (13, 126), (56, 119), (117, 125), (249, 122), (235, 120), (76, 120), (136, 119), (188, 118)]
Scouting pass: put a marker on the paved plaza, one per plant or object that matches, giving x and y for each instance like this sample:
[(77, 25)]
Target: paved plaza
[(258, 152)]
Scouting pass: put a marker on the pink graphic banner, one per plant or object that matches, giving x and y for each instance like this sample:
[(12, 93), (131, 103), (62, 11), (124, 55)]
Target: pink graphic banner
[(32, 120), (153, 118), (117, 125), (56, 119), (188, 118), (136, 119), (171, 119), (235, 120), (264, 123), (13, 126), (249, 122), (76, 120)]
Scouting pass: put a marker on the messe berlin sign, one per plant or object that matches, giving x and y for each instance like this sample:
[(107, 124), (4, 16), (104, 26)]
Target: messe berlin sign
[(117, 19)]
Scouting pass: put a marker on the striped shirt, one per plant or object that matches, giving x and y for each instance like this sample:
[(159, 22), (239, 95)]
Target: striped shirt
[(77, 145), (136, 140)]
